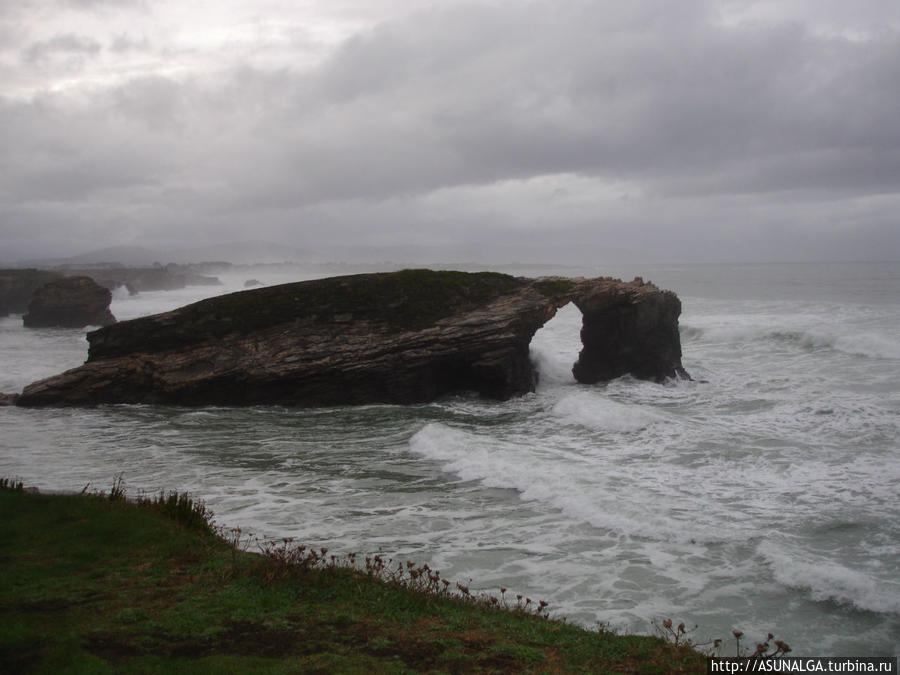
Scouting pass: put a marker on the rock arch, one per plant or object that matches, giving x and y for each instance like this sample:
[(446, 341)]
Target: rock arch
[(399, 337)]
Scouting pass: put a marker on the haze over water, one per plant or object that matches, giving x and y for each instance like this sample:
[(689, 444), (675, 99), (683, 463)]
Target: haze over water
[(762, 496)]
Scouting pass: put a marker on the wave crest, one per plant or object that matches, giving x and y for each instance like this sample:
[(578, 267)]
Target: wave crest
[(829, 581)]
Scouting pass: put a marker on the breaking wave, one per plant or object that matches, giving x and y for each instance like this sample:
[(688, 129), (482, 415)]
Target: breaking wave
[(826, 580), (869, 344)]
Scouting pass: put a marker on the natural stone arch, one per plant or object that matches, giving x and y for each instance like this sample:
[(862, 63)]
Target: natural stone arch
[(627, 328), (400, 337)]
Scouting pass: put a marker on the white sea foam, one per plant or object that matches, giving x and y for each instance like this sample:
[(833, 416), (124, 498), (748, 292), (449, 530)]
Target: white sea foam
[(613, 499), (28, 354), (851, 330), (555, 347), (120, 293), (827, 580), (871, 344), (593, 410)]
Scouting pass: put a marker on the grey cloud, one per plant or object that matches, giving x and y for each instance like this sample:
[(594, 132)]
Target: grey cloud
[(101, 4), (157, 102), (68, 44), (55, 154), (481, 95), (123, 44), (721, 133)]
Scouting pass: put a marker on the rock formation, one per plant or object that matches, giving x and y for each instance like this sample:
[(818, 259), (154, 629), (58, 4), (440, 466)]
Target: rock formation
[(18, 285), (628, 329), (70, 302), (399, 337), (141, 279)]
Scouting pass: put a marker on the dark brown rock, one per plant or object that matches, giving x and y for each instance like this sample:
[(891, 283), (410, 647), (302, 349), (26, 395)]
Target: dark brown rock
[(400, 337), (70, 302), (628, 328)]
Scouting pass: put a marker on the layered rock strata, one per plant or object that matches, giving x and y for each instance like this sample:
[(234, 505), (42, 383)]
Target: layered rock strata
[(401, 337)]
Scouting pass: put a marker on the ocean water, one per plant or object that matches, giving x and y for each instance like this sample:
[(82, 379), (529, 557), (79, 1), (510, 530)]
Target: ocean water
[(762, 496)]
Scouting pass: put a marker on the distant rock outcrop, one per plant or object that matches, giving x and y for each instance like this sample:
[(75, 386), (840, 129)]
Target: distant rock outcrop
[(399, 337), (141, 279), (70, 302), (17, 286)]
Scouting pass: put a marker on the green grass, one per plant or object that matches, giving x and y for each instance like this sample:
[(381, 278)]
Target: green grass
[(90, 584), (551, 287)]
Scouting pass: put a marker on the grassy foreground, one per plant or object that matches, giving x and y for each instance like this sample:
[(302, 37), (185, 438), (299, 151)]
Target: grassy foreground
[(93, 584)]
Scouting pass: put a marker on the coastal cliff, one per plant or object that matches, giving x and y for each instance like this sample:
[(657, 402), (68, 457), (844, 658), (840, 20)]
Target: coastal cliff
[(400, 337)]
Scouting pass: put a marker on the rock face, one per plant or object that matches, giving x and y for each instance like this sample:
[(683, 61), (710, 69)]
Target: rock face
[(70, 302), (628, 329), (400, 337)]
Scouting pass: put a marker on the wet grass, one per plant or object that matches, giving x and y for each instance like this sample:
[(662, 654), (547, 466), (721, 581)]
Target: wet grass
[(102, 584)]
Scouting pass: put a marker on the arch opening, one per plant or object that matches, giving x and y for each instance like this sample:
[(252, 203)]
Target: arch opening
[(555, 347)]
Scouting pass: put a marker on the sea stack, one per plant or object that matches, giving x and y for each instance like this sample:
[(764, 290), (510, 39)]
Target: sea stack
[(70, 302), (401, 337)]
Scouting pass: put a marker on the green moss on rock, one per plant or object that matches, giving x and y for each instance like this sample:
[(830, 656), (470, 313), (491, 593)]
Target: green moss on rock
[(551, 287), (396, 301)]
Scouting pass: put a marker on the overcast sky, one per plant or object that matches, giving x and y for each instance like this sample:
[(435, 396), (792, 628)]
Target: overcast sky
[(581, 131)]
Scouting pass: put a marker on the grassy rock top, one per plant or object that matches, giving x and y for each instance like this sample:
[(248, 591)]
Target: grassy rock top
[(404, 300), (398, 301)]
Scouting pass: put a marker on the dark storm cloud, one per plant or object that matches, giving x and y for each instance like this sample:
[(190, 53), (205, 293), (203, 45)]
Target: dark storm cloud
[(663, 121)]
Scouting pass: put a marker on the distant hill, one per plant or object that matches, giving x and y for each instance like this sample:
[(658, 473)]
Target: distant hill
[(242, 253), (129, 256), (245, 252)]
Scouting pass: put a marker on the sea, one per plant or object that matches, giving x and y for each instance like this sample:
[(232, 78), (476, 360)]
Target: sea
[(762, 496)]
